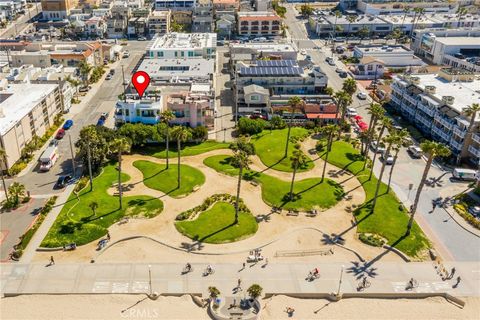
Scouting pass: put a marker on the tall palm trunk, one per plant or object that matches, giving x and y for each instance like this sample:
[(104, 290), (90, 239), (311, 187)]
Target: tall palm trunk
[(329, 148), (379, 182), (167, 143), (239, 183), (178, 157), (120, 178), (376, 153), (293, 181), (288, 133), (4, 185), (368, 142), (391, 169), (419, 191)]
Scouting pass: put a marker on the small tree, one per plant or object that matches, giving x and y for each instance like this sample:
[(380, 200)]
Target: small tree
[(214, 292), (255, 291), (17, 191), (93, 205)]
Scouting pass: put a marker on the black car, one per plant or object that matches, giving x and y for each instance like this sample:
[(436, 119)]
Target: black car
[(62, 182)]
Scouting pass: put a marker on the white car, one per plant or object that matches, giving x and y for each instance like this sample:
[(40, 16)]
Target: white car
[(415, 151), (376, 147), (126, 54), (303, 52), (351, 112), (330, 61), (388, 158), (362, 96)]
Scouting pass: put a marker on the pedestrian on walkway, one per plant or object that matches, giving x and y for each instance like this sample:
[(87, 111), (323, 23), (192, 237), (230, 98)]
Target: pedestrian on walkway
[(239, 284), (243, 266), (52, 262), (452, 273), (108, 236), (458, 282)]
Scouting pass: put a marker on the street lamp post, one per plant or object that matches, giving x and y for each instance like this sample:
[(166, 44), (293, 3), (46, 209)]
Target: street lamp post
[(224, 133), (340, 281), (73, 155), (150, 278)]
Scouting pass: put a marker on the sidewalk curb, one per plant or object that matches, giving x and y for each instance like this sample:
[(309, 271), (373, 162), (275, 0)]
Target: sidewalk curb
[(461, 225)]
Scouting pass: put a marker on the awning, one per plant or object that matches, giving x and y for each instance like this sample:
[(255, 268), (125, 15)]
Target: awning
[(322, 116)]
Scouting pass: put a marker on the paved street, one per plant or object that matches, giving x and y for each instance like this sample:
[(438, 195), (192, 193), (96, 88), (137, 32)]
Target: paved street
[(450, 239), (16, 27), (223, 99), (274, 278)]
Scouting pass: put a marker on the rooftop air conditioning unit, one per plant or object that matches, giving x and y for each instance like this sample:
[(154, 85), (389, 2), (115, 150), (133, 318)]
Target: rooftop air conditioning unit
[(448, 100), (415, 80), (430, 89)]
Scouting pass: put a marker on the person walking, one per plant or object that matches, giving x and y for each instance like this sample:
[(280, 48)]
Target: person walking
[(108, 236), (239, 284), (452, 273), (52, 261), (458, 282)]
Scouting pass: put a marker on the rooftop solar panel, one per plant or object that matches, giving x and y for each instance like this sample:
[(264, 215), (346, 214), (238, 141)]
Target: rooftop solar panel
[(276, 63), (270, 71)]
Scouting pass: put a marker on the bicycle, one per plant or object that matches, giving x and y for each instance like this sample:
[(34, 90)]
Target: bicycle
[(187, 270), (364, 284), (208, 272)]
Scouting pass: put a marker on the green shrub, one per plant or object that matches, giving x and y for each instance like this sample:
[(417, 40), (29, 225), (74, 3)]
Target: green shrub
[(371, 239), (462, 209), (82, 183), (17, 168)]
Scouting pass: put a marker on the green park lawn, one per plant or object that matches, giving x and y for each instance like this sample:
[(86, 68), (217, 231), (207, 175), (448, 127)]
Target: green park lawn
[(390, 218), (156, 176), (310, 193), (76, 222), (187, 150), (216, 225), (270, 148)]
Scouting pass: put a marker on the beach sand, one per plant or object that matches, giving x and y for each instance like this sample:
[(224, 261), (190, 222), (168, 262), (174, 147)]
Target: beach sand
[(48, 307)]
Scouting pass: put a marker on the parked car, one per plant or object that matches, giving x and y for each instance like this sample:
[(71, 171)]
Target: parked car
[(303, 52), (351, 112), (84, 88), (125, 54), (108, 77), (68, 124), (308, 57), (343, 74), (60, 134), (142, 39), (53, 142), (465, 174), (62, 182), (388, 158), (338, 70), (376, 147), (415, 151), (362, 96), (330, 61), (112, 71)]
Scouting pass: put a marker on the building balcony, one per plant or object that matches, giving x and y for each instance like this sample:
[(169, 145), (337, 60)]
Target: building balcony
[(456, 145), (442, 134), (397, 88), (407, 108), (447, 123), (476, 137), (423, 120), (395, 99), (428, 110), (474, 151), (410, 99), (459, 132)]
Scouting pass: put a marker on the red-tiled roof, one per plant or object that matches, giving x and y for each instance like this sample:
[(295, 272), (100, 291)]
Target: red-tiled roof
[(316, 108), (322, 116)]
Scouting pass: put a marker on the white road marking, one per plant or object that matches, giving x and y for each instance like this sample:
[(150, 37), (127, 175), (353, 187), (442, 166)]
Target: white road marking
[(101, 286), (120, 287)]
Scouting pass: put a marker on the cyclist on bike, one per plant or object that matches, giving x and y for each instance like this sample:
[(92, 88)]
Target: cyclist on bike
[(209, 269), (411, 283), (188, 267), (364, 282)]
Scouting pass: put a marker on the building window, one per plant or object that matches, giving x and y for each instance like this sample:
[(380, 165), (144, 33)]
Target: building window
[(255, 98), (160, 54), (127, 112)]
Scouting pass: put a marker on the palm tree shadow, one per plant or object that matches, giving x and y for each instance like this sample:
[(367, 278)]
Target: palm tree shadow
[(153, 176), (198, 242)]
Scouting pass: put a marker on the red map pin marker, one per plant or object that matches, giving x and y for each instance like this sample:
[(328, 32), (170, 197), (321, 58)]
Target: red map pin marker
[(140, 80)]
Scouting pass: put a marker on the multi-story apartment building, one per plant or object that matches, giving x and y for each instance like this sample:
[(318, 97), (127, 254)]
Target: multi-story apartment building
[(192, 109), (174, 4), (183, 46), (26, 110), (436, 104), (258, 23), (134, 111), (55, 10), (137, 27), (257, 85), (226, 5), (159, 22), (395, 7), (66, 54), (202, 19)]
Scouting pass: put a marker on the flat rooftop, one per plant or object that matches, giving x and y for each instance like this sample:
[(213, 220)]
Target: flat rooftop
[(17, 100), (176, 40), (465, 93), (361, 19), (178, 67), (267, 46), (458, 41), (383, 49)]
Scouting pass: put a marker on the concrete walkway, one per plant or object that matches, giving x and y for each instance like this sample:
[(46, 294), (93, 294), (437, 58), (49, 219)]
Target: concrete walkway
[(384, 277), (46, 225)]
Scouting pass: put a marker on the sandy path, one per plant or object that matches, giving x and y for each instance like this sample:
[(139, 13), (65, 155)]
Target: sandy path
[(279, 226), (169, 308)]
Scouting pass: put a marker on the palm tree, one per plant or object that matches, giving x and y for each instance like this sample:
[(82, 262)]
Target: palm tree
[(376, 112), (418, 13), (180, 134), (119, 146), (389, 141), (350, 19), (93, 205), (17, 191), (298, 159), (349, 86), (363, 33), (242, 149), (294, 103), (403, 138), (167, 116), (90, 134), (343, 101), (75, 83), (337, 14), (84, 67), (470, 111), (406, 11), (329, 91), (433, 149), (329, 131), (386, 123), (3, 163)]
